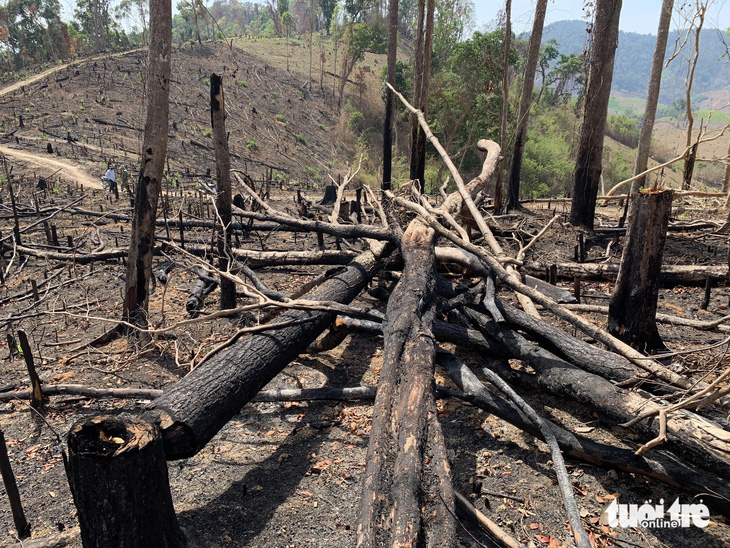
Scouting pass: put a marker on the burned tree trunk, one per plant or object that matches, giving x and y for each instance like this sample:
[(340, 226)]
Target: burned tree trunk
[(389, 98), (117, 469), (709, 450), (223, 197), (407, 497), (632, 311), (193, 410), (154, 150), (22, 526), (118, 477), (513, 189), (598, 89), (397, 507)]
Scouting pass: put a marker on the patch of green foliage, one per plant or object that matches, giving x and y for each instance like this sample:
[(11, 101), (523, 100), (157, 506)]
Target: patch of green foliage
[(301, 138), (252, 145), (623, 129)]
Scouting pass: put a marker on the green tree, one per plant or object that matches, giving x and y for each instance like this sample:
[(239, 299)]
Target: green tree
[(136, 11), (548, 53), (360, 38), (465, 99), (33, 32), (566, 79), (453, 19), (288, 22), (190, 12), (328, 11), (95, 21)]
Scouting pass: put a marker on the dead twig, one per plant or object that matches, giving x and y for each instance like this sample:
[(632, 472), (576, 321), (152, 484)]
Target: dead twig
[(566, 488), (495, 531)]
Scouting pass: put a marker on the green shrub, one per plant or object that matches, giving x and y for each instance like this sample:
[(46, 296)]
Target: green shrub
[(252, 145), (617, 166), (623, 129), (322, 126), (301, 139), (280, 118), (208, 133), (242, 83), (546, 167), (355, 122)]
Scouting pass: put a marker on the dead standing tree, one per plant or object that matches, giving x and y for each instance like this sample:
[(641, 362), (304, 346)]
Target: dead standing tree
[(154, 151), (513, 189), (223, 196), (588, 167)]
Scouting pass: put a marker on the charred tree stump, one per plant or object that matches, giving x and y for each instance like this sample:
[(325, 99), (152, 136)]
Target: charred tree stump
[(330, 196), (11, 488), (193, 410), (632, 310), (118, 478), (36, 400), (223, 198)]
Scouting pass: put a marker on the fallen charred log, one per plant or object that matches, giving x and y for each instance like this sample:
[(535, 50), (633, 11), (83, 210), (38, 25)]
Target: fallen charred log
[(661, 465), (586, 356), (193, 410), (398, 506), (670, 274), (694, 438)]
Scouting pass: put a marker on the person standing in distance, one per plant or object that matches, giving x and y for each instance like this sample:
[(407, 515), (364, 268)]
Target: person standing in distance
[(112, 178)]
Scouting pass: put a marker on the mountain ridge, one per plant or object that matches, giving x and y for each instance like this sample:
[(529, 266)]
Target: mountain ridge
[(633, 60)]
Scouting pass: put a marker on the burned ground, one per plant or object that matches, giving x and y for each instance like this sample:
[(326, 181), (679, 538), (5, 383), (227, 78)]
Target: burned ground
[(279, 474)]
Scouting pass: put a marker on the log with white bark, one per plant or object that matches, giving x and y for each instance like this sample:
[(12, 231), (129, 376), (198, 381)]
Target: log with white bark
[(670, 274)]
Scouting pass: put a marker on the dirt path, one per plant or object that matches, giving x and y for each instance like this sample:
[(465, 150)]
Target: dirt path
[(40, 76), (65, 168)]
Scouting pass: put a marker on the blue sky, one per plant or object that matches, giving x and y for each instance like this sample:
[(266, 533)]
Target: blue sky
[(636, 16)]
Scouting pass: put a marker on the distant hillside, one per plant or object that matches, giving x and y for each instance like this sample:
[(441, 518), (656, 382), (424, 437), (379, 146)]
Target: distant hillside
[(633, 60)]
